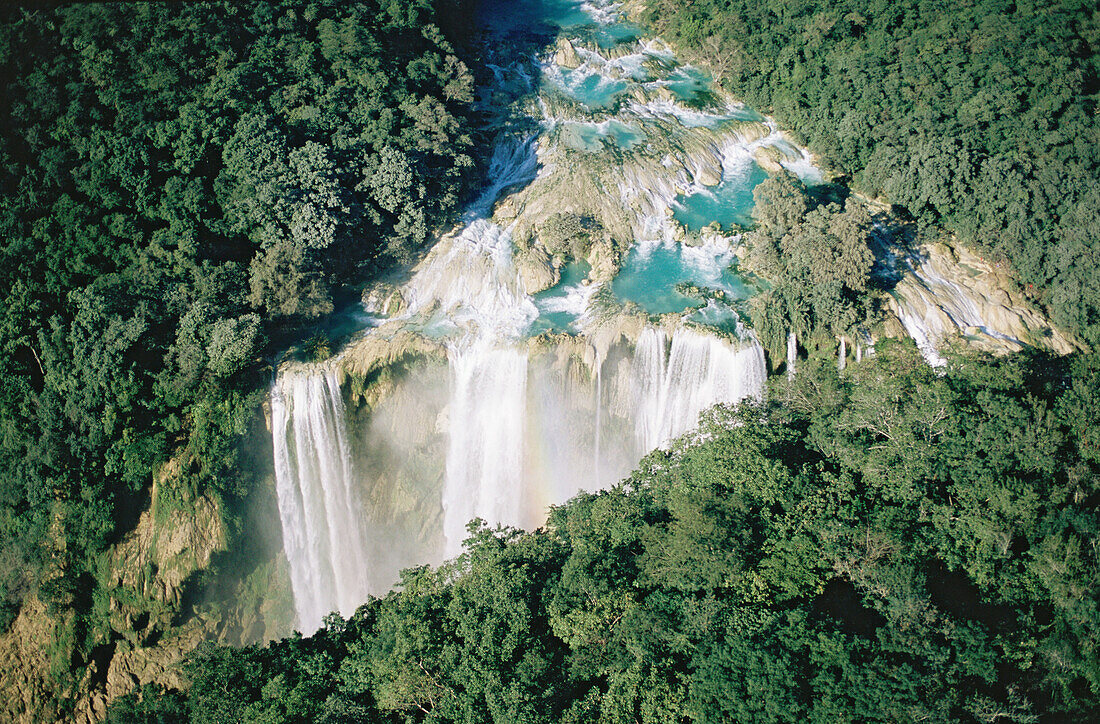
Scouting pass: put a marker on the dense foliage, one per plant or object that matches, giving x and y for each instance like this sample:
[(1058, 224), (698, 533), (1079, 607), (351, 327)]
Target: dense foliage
[(978, 115), (182, 182), (816, 256), (890, 544)]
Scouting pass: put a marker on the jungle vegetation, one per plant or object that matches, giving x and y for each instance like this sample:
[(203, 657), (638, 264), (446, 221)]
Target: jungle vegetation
[(184, 186), (187, 186)]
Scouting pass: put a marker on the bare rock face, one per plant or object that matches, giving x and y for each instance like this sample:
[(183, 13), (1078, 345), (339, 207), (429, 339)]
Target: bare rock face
[(768, 158), (566, 55), (26, 682), (605, 258), (146, 574), (951, 291), (384, 298), (709, 175), (375, 351), (536, 269)]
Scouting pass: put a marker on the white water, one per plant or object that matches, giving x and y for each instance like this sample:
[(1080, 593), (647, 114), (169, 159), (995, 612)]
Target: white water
[(318, 505), (675, 382), (516, 427), (485, 456), (935, 307), (792, 354)]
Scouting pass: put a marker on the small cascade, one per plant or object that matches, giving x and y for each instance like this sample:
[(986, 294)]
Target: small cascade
[(650, 359), (318, 505), (696, 372), (598, 363), (842, 355), (792, 354)]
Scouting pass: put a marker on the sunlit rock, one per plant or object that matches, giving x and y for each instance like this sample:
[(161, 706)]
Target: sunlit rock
[(566, 55), (945, 291)]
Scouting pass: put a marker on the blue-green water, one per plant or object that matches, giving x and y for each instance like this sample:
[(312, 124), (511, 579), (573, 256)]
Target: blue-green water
[(728, 203), (508, 17), (594, 137), (688, 84), (649, 277), (590, 89), (560, 305), (608, 36)]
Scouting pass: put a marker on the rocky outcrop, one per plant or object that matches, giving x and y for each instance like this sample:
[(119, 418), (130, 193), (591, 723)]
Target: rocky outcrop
[(947, 291), (174, 538), (566, 55), (130, 669), (27, 683), (144, 579), (536, 269), (384, 298), (389, 344)]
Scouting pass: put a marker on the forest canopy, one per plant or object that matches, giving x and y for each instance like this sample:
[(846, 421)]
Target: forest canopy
[(891, 544), (980, 116)]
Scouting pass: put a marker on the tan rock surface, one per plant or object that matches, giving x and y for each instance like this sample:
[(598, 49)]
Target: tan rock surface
[(566, 55), (26, 682), (951, 291)]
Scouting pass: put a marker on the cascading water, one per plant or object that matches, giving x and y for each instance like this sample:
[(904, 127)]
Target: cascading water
[(318, 503), (792, 354), (696, 372), (485, 455)]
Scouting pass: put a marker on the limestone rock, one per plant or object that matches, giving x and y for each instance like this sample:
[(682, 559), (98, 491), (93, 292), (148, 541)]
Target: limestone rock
[(709, 175), (173, 539), (536, 269), (26, 683), (951, 291), (566, 55), (767, 158), (384, 298), (381, 350)]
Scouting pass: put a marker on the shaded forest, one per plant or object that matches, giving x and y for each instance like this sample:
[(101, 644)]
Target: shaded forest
[(893, 544), (980, 116)]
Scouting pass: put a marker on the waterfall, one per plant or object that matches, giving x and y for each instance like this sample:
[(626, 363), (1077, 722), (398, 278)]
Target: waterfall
[(318, 506), (471, 277), (698, 371), (599, 393), (792, 354), (521, 416), (842, 355), (485, 453)]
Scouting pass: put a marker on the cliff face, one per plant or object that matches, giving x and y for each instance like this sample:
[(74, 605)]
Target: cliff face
[(25, 675), (144, 612)]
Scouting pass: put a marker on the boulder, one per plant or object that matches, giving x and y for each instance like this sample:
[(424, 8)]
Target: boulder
[(384, 298), (536, 269), (566, 55)]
